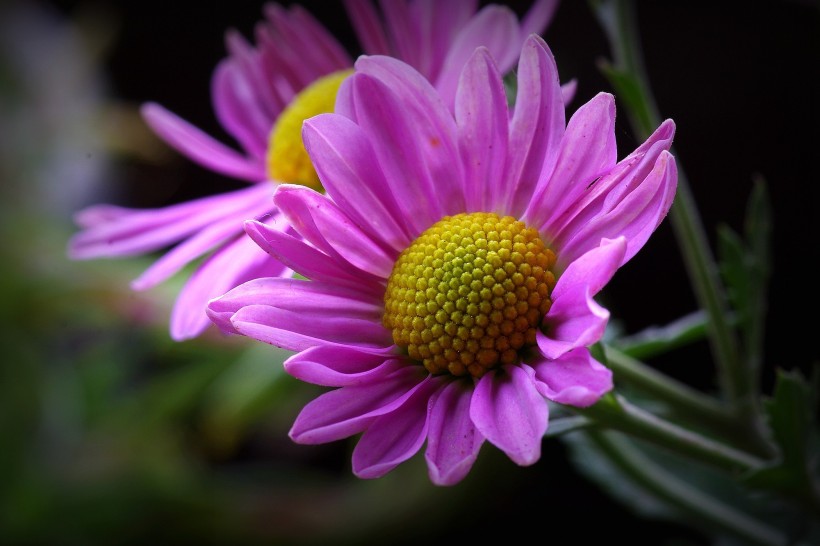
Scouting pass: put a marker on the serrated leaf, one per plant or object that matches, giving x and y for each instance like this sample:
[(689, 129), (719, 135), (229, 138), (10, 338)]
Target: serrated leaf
[(790, 413)]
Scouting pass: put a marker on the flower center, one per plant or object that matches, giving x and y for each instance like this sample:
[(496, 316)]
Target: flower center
[(470, 293), (287, 160)]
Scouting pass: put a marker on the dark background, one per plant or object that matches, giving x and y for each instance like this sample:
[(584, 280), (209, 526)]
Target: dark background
[(740, 79)]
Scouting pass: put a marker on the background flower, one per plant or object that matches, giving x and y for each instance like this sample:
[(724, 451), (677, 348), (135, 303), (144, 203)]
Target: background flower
[(259, 95)]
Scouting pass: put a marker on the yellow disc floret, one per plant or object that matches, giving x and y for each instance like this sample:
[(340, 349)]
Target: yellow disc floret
[(470, 293), (287, 160)]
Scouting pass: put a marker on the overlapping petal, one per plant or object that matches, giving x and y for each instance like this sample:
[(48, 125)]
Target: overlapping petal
[(575, 378)]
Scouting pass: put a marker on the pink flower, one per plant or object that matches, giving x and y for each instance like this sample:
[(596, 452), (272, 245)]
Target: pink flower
[(452, 264), (258, 88)]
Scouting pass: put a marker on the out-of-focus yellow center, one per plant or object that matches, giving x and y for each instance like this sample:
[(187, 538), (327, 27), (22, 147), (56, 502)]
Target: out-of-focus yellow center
[(470, 293), (287, 160)]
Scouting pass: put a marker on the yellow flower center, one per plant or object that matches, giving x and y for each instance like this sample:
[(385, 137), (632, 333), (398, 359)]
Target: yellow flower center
[(287, 160), (470, 293)]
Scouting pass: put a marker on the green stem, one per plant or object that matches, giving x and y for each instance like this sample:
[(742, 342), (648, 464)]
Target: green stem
[(681, 495), (615, 412), (619, 21), (686, 402)]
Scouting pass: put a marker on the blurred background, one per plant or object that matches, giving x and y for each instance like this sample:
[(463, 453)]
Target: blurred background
[(111, 433)]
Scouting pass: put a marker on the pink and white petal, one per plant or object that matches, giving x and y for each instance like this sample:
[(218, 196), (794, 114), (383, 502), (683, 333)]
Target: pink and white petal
[(635, 217), (349, 410), (309, 262), (368, 27), (231, 266), (494, 27), (575, 319), (333, 365), (402, 111), (396, 436), (219, 233), (319, 220), (199, 147), (588, 150), (343, 158), (537, 125), (296, 332), (117, 231), (453, 441), (538, 17), (482, 117), (575, 379), (508, 410)]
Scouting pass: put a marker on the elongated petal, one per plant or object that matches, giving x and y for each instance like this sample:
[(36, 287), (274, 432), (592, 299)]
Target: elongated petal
[(537, 125), (349, 410), (308, 261), (229, 267), (453, 441), (117, 231), (237, 104), (413, 136), (575, 319), (634, 217), (510, 413), (482, 118), (538, 17), (341, 365), (588, 150), (320, 221), (219, 233), (343, 158), (575, 378), (608, 208), (396, 436), (494, 27), (199, 147), (368, 26)]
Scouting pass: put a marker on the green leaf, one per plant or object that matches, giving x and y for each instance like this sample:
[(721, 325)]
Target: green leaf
[(657, 340), (746, 269), (628, 89), (790, 413)]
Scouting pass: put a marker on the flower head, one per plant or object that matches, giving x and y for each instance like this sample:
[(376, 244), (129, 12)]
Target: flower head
[(261, 95), (452, 264)]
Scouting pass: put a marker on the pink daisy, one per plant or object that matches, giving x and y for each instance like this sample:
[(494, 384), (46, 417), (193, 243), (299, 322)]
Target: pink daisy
[(451, 267), (261, 94)]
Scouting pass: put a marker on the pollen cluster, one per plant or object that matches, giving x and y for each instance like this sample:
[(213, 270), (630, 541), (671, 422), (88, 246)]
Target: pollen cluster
[(287, 160), (470, 293)]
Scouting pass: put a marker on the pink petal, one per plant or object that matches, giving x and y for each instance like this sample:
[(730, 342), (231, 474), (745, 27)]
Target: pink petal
[(319, 220), (308, 261), (575, 319), (229, 267), (401, 111), (199, 147), (494, 27), (368, 26), (396, 436), (453, 442), (575, 378), (588, 150), (343, 158), (508, 410), (538, 17), (635, 216), (537, 125), (349, 410), (341, 365), (482, 118)]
